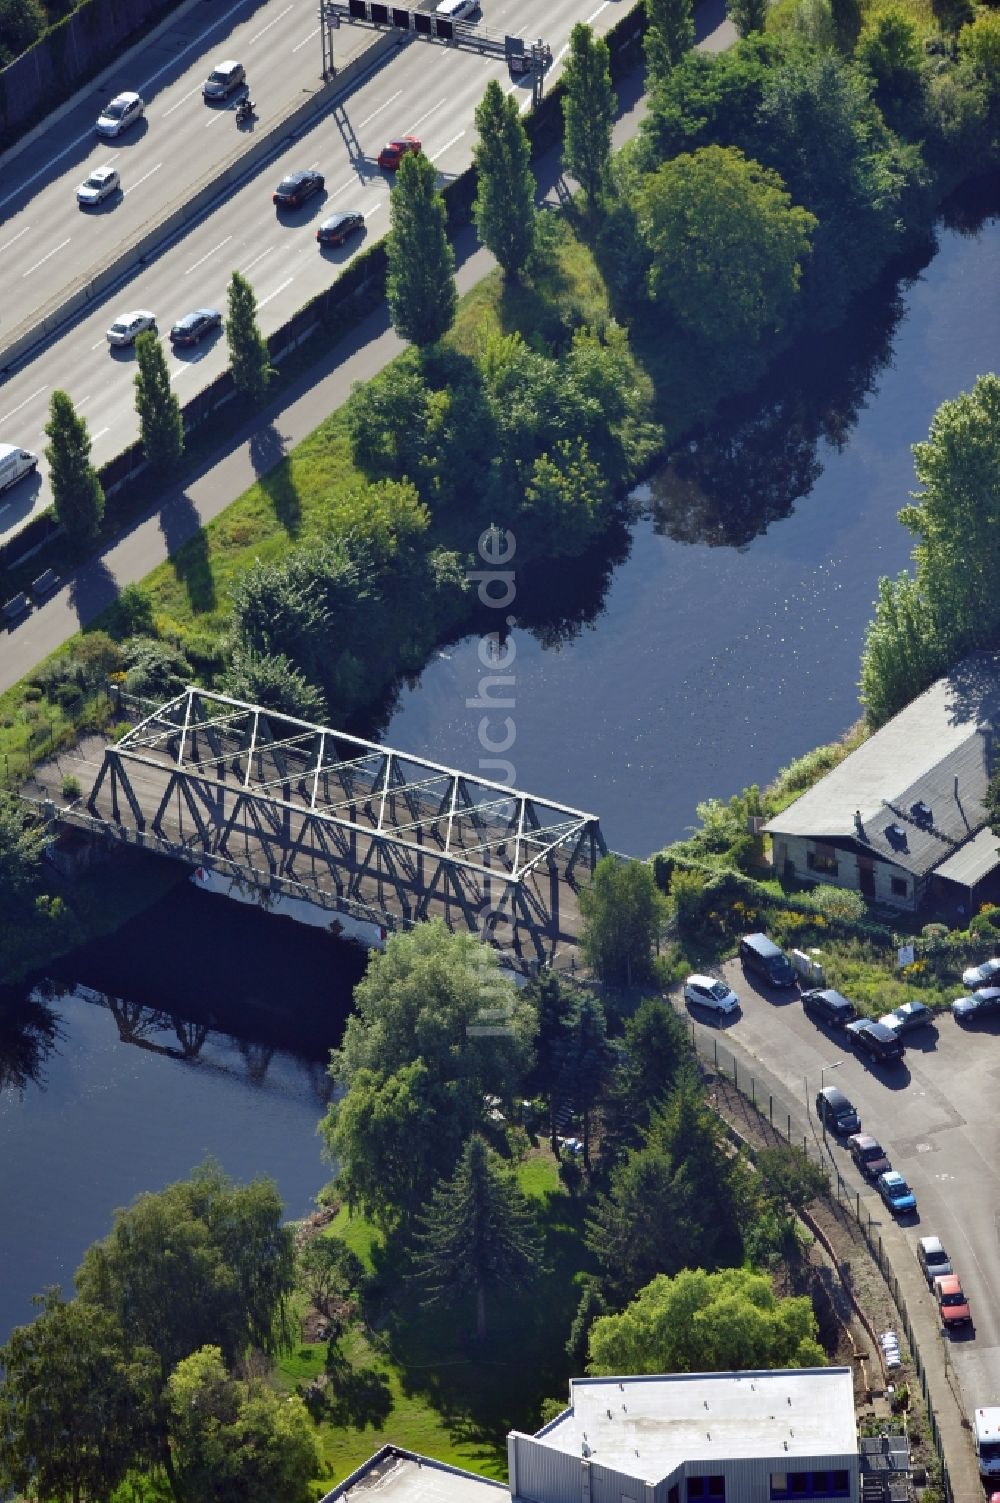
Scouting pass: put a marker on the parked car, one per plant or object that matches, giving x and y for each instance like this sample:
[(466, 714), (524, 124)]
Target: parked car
[(128, 326), (715, 996), (762, 957), (984, 974), (335, 230), (194, 327), (982, 1004), (223, 80), (294, 189), (896, 1193), (934, 1261), (124, 111), (394, 151), (874, 1039), (868, 1154), (101, 184), (835, 1111), (828, 1006), (907, 1017), (953, 1307)]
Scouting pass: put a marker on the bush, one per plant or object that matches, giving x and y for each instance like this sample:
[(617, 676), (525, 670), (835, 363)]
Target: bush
[(70, 786), (841, 903)]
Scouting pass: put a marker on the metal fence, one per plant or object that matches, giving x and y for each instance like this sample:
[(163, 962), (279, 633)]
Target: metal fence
[(775, 1113)]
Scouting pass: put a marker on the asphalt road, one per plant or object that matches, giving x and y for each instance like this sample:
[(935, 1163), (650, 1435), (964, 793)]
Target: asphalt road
[(425, 89), (936, 1116)]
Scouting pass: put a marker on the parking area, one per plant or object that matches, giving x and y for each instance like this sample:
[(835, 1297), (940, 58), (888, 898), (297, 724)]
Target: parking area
[(935, 1113)]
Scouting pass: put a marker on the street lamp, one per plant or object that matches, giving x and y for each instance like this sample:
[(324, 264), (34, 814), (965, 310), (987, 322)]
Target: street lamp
[(822, 1074)]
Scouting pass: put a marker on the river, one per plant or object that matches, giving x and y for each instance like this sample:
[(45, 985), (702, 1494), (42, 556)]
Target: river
[(716, 639)]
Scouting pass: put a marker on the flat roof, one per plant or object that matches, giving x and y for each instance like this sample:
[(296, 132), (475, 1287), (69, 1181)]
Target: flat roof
[(393, 1475), (646, 1427)]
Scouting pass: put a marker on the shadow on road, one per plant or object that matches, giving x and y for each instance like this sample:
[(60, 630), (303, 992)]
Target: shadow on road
[(187, 546)]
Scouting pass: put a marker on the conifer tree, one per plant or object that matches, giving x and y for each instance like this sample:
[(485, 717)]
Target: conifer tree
[(161, 426), (248, 354), (588, 110), (420, 279), (477, 1233), (77, 493), (504, 209)]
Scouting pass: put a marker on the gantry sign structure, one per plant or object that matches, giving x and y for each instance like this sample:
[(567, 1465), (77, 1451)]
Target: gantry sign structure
[(531, 58), (289, 805)]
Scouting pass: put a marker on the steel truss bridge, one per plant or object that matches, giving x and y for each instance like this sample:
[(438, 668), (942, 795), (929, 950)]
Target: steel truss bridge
[(309, 811)]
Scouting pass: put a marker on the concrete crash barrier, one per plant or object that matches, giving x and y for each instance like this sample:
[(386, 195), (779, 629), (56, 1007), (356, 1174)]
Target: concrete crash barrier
[(148, 242)]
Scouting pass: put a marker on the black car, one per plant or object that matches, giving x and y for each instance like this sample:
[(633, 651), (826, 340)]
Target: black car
[(876, 1039), (193, 327), (828, 1006), (868, 1154), (294, 189), (982, 1004), (335, 230)]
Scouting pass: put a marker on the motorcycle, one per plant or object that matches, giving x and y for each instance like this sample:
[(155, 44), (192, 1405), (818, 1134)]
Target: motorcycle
[(244, 110)]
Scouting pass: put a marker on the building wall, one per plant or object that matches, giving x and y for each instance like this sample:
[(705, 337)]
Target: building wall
[(797, 849)]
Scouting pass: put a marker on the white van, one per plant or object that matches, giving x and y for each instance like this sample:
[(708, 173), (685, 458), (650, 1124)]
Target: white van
[(986, 1433), (15, 463), (457, 10)]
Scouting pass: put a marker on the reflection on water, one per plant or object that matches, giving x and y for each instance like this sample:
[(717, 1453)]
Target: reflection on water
[(29, 1032)]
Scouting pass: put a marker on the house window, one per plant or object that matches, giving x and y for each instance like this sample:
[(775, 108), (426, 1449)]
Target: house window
[(822, 861), (710, 1485), (900, 887), (811, 1485)]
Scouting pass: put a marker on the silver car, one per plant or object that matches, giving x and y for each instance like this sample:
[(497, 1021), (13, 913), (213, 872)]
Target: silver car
[(934, 1261), (223, 79), (128, 326), (101, 184), (984, 974), (124, 111)]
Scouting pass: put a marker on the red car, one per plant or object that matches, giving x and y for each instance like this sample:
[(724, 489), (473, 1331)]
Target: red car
[(394, 151), (952, 1303)]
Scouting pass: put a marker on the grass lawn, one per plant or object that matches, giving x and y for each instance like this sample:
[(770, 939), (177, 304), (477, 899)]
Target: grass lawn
[(419, 1380)]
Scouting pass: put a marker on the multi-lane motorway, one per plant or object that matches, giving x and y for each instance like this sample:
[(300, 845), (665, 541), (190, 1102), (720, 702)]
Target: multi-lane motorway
[(427, 89)]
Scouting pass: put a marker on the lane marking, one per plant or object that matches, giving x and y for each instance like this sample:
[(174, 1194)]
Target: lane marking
[(267, 28), (442, 149), (263, 253), (183, 100), (88, 135), (205, 257), (591, 19), (17, 409), (298, 47), (97, 346), (374, 113), (425, 116), (47, 257), (99, 434), (265, 300), (142, 179), (10, 242)]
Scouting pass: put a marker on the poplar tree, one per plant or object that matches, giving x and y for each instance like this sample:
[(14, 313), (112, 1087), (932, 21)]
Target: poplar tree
[(161, 426), (588, 110), (504, 208), (747, 15), (248, 353), (77, 493), (669, 35), (478, 1233), (420, 279)]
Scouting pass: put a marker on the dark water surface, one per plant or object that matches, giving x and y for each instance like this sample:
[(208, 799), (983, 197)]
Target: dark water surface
[(708, 646), (719, 650)]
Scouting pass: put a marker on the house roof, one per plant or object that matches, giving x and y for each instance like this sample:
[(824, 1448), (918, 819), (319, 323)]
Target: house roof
[(648, 1426), (393, 1475), (936, 754)]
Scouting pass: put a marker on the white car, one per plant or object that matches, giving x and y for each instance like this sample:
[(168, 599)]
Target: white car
[(981, 975), (714, 995), (123, 111), (457, 10), (101, 183), (128, 326)]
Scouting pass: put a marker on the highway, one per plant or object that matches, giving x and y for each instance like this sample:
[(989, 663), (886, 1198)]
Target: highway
[(425, 88)]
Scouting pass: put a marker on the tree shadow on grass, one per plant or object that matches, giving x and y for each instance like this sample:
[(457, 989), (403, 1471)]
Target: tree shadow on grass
[(187, 544), (280, 490), (358, 1396)]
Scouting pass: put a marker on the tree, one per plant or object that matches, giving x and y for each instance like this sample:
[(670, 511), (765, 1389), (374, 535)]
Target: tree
[(75, 1412), (903, 651), (271, 679), (249, 359), (566, 499), (77, 494), (653, 1053), (707, 1322), (21, 23), (747, 15), (891, 52), (846, 23), (727, 244), (22, 841), (477, 1234), (420, 263), (670, 34), (588, 110), (237, 1442), (504, 206), (790, 1177), (161, 426), (584, 1063), (592, 1304), (329, 1271), (623, 912), (437, 1029), (224, 1245), (555, 1006)]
